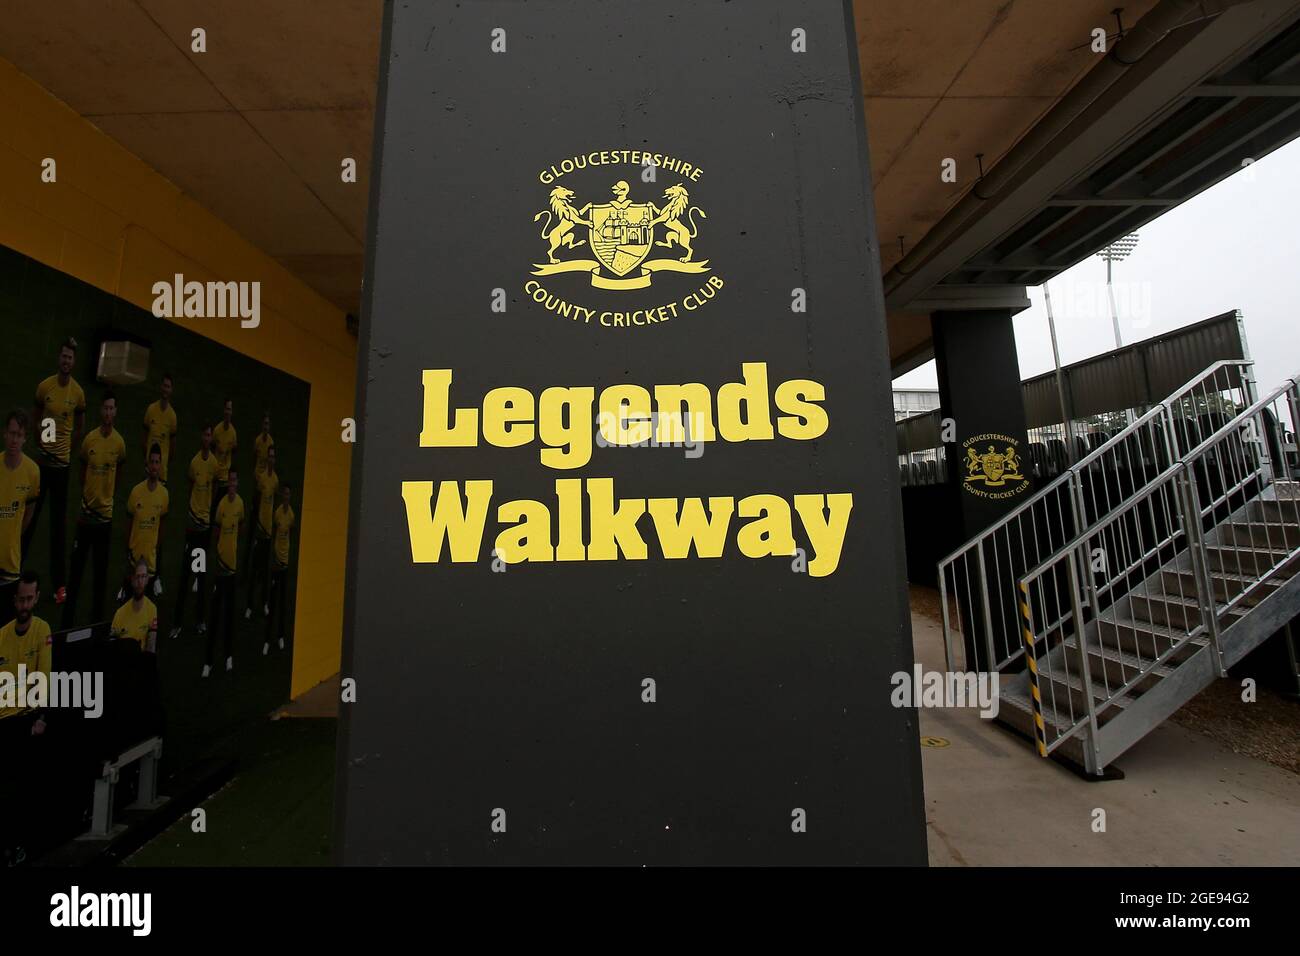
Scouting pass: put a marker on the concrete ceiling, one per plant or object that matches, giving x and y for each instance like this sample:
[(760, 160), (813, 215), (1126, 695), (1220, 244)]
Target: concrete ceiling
[(255, 128), (937, 85)]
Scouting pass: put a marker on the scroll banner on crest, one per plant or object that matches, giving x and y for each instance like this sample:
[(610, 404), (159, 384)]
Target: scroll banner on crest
[(637, 282)]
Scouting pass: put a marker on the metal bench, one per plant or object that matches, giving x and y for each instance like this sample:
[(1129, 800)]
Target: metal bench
[(148, 752)]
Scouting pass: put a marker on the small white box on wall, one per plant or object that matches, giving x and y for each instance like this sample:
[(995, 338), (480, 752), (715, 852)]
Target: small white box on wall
[(123, 363)]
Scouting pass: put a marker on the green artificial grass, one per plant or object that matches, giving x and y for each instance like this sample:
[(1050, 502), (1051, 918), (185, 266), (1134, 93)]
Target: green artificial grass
[(276, 811)]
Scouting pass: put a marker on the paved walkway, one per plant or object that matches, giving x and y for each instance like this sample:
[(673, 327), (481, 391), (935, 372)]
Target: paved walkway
[(1185, 800)]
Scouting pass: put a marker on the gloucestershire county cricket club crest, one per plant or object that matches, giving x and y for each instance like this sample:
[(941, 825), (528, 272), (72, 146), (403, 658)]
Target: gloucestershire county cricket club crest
[(993, 467), (621, 238), (621, 235)]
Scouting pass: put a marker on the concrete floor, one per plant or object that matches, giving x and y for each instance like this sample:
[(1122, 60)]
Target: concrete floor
[(991, 801), (1185, 800), (321, 701)]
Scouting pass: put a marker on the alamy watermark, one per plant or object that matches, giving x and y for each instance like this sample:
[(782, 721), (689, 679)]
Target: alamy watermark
[(208, 300), (73, 909), (71, 690), (1081, 299), (923, 688), (655, 430)]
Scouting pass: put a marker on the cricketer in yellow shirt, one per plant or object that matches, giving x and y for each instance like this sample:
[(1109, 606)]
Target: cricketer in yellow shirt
[(226, 529), (64, 402), (20, 484), (203, 482), (259, 542), (137, 619), (262, 444), (103, 454), (225, 441), (24, 641), (61, 402), (227, 522), (267, 485), (146, 508), (282, 522), (160, 426), (203, 478)]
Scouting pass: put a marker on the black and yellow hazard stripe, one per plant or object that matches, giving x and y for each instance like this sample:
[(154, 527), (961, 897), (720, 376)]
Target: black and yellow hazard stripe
[(1040, 730)]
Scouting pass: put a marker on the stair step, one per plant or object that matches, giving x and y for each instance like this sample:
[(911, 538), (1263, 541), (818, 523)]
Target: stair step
[(1118, 667), (1020, 715), (1238, 560), (1180, 614), (1145, 639), (1271, 535), (1273, 510), (1069, 690), (1227, 585), (1170, 610), (1285, 489), (1022, 700)]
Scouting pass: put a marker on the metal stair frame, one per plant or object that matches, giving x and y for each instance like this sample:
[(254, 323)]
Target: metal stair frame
[(1225, 630), (1135, 448)]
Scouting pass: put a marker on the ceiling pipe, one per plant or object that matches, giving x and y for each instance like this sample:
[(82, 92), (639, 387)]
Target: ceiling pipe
[(1137, 42)]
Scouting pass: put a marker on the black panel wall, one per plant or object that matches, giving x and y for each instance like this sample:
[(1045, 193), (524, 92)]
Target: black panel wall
[(502, 710)]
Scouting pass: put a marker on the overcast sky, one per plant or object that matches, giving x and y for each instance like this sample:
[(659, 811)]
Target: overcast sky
[(1235, 246)]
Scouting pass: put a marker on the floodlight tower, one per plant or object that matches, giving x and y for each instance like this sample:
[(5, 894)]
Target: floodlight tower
[(1067, 434), (1117, 251)]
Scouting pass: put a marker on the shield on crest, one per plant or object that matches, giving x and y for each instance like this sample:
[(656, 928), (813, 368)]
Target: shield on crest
[(994, 467), (621, 236)]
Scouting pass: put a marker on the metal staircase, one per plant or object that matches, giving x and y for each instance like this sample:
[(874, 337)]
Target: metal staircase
[(1139, 576)]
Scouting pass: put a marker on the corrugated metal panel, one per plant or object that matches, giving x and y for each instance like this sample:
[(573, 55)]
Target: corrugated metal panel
[(1174, 358), (1042, 401), (918, 432), (1108, 383), (1136, 376)]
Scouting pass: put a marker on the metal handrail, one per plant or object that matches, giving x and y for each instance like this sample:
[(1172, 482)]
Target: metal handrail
[(1179, 476), (1013, 513), (1081, 465), (1254, 409), (1197, 451), (1128, 685), (1091, 531), (1074, 552), (1023, 528)]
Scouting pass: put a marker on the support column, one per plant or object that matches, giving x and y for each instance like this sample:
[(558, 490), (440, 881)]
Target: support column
[(988, 460), (979, 389)]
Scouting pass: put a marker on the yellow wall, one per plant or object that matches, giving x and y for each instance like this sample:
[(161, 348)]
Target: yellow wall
[(112, 221)]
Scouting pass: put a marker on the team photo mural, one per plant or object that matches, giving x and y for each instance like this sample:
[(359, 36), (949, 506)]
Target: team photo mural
[(148, 530)]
